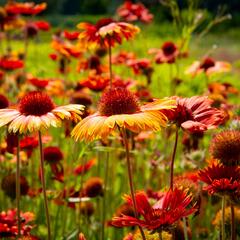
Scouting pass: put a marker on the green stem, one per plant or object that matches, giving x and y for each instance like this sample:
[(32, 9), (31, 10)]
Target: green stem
[(233, 228), (44, 185), (185, 228), (105, 196), (130, 178), (173, 158), (160, 235), (18, 190), (223, 217)]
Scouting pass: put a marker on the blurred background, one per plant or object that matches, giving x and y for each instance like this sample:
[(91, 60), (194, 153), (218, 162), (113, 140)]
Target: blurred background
[(105, 7)]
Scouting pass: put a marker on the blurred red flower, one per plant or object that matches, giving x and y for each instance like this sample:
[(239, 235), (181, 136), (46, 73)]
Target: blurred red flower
[(71, 35), (131, 12), (27, 8), (9, 64), (107, 32), (166, 54), (43, 25), (82, 169)]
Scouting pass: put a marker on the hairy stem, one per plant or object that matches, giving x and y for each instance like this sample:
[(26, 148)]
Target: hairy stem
[(18, 190)]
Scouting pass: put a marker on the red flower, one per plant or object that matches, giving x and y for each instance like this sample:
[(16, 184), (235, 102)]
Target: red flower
[(95, 82), (52, 155), (43, 25), (53, 56), (174, 205), (71, 35), (29, 143), (140, 66), (122, 57), (39, 83), (8, 224), (221, 179), (195, 114), (9, 64), (4, 103), (82, 169), (28, 8), (131, 12), (166, 54), (107, 32)]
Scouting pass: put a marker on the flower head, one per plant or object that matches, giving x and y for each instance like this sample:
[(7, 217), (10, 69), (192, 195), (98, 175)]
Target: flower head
[(52, 155), (163, 215), (107, 32), (119, 108), (208, 66), (8, 224), (220, 179), (36, 111), (71, 35), (166, 54), (132, 12), (195, 114), (93, 187), (28, 8), (42, 25), (10, 64), (225, 147)]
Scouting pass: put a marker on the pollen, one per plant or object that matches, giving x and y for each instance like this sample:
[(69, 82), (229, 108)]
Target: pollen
[(36, 103), (118, 101)]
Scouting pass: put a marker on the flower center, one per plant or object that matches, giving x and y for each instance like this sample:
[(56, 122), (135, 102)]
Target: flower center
[(169, 48), (207, 63), (103, 22), (36, 103), (118, 101), (52, 154)]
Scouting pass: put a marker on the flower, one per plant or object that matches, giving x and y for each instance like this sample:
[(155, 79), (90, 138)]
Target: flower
[(195, 114), (82, 169), (4, 103), (9, 185), (8, 224), (81, 236), (36, 111), (119, 108), (166, 54), (39, 83), (122, 57), (28, 8), (93, 187), (220, 179), (71, 35), (140, 66), (9, 64), (131, 12), (95, 82), (66, 49), (42, 25), (107, 32), (208, 66), (29, 143), (52, 155), (163, 215), (225, 147)]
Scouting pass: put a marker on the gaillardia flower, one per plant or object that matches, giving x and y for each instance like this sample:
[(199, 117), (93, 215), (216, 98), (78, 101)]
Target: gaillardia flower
[(195, 114), (166, 54), (36, 111), (223, 180), (208, 66), (225, 147), (163, 215), (119, 108), (107, 32)]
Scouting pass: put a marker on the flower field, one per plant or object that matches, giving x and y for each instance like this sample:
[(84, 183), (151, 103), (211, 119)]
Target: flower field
[(119, 127)]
